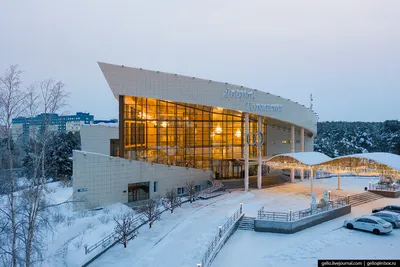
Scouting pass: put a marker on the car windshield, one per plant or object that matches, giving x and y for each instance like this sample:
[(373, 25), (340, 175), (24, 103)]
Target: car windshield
[(381, 221)]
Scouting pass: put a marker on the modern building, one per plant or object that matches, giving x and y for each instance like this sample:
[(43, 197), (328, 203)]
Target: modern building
[(23, 128), (175, 128)]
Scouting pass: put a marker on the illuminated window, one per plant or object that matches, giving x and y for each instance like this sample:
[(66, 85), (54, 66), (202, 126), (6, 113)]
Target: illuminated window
[(188, 135)]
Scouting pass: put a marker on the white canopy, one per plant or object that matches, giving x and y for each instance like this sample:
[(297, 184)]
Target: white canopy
[(306, 158), (388, 159)]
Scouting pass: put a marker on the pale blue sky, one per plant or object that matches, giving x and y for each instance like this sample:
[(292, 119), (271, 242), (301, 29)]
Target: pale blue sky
[(345, 52)]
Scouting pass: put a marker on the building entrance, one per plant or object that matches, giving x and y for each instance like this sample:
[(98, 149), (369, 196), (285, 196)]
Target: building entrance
[(138, 191)]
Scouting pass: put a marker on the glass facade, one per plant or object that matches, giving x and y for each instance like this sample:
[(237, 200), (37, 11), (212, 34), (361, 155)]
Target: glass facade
[(188, 135)]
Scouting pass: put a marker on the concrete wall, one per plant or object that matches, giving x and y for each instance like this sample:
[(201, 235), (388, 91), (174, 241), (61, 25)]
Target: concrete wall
[(298, 225), (96, 138), (276, 135), (167, 86), (106, 178), (389, 194)]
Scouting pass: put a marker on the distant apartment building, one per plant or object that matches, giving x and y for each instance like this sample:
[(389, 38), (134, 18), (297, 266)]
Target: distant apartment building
[(105, 121), (23, 128)]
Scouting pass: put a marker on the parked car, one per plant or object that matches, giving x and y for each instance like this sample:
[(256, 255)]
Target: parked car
[(392, 217), (388, 208), (370, 224)]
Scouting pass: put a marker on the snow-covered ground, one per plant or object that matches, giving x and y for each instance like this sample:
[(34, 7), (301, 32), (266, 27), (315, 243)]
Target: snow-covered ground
[(181, 238), (325, 241), (72, 230)]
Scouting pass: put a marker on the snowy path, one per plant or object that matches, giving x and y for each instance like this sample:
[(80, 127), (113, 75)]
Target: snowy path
[(179, 239)]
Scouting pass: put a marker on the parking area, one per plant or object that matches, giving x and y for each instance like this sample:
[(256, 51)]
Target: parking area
[(329, 240)]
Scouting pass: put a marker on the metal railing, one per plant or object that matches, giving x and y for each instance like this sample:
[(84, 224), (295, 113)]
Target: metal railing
[(209, 254), (216, 185), (385, 187), (297, 215), (113, 237)]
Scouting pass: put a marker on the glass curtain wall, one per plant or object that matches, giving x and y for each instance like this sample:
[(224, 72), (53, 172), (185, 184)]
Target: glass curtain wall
[(188, 135)]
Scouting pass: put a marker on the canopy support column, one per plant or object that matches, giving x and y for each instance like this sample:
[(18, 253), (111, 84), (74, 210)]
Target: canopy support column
[(338, 181), (246, 153), (302, 150), (259, 150), (311, 180), (292, 150)]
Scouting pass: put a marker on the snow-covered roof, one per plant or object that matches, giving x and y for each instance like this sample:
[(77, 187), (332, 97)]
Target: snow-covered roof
[(315, 158), (388, 159), (306, 158)]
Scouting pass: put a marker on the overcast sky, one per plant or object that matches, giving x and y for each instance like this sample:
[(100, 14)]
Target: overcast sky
[(345, 52)]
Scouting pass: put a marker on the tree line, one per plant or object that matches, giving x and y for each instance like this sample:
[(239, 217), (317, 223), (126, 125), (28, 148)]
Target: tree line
[(339, 138), (25, 215)]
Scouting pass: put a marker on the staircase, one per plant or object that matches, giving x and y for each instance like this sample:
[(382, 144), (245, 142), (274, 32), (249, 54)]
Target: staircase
[(247, 223), (359, 199)]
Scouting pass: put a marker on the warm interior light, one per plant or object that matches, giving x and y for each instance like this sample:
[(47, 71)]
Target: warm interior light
[(212, 134), (238, 133), (164, 124), (218, 130)]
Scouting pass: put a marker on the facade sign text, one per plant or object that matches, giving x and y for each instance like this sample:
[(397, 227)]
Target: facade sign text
[(239, 94), (264, 107)]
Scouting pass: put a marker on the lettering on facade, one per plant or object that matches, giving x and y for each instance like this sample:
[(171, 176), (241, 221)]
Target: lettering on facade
[(264, 107), (239, 94)]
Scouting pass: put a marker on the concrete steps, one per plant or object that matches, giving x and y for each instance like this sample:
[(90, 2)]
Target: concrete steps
[(362, 198), (269, 180), (247, 224)]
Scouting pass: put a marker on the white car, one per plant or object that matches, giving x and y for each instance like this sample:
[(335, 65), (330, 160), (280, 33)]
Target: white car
[(370, 224)]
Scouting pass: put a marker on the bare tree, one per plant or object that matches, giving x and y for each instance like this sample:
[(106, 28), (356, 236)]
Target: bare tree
[(172, 200), (11, 106), (150, 211), (125, 223), (26, 217), (35, 207), (191, 190)]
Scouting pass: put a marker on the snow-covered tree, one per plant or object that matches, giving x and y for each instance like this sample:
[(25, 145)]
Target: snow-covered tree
[(172, 200), (150, 211), (190, 188), (11, 106), (125, 223)]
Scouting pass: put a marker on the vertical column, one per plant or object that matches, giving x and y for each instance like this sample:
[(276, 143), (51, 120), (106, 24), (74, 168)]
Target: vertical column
[(259, 150), (246, 152), (338, 181), (311, 179), (302, 150), (292, 150), (292, 140), (266, 140)]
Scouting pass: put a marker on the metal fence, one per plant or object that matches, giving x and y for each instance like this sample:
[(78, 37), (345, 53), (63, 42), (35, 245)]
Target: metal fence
[(140, 220), (113, 237), (297, 215), (208, 256)]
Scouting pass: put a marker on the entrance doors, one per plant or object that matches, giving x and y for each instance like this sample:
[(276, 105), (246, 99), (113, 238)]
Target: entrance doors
[(138, 191)]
